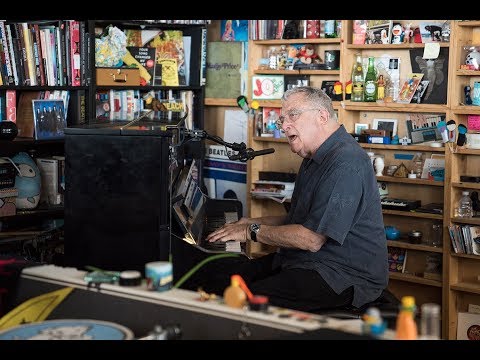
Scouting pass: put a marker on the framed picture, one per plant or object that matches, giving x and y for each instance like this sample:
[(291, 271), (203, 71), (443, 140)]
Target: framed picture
[(267, 87), (359, 127), (386, 124), (49, 119)]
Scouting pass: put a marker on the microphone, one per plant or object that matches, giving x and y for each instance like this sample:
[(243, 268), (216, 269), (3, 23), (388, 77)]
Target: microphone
[(249, 154)]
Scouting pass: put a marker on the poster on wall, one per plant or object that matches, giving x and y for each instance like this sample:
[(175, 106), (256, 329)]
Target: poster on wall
[(435, 71), (234, 30)]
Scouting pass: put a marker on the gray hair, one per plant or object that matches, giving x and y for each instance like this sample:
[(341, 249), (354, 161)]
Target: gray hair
[(314, 96)]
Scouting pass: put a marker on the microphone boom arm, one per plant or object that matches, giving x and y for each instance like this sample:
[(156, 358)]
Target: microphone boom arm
[(243, 153)]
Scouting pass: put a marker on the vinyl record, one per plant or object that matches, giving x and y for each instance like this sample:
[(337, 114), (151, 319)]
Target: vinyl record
[(68, 329)]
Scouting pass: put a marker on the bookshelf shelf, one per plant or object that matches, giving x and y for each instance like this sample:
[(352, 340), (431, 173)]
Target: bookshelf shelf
[(469, 23), (220, 102), (399, 180), (402, 147), (468, 287), (296, 72), (297, 41), (412, 214), (466, 109), (390, 46), (466, 185), (395, 107), (466, 256), (419, 247), (414, 279), (468, 221)]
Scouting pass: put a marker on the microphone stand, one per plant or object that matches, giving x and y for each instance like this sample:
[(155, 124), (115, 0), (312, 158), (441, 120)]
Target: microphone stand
[(243, 154)]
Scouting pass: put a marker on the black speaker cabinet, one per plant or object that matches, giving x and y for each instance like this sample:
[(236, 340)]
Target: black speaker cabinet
[(117, 203)]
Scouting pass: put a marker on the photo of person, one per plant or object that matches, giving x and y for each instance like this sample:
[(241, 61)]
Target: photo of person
[(234, 30)]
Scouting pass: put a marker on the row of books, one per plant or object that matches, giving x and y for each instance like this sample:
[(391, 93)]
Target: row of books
[(126, 104), (465, 239), (8, 105), (44, 53), (289, 29)]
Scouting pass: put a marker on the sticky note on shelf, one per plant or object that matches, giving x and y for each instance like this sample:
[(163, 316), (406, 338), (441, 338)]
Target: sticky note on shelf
[(431, 50)]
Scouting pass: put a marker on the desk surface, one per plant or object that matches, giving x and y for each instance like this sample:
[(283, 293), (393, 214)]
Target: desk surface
[(139, 309)]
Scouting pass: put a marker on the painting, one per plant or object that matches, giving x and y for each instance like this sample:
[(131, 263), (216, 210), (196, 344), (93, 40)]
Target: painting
[(435, 71), (386, 124), (359, 127)]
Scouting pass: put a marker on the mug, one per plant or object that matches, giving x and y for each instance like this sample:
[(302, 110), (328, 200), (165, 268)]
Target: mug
[(332, 59)]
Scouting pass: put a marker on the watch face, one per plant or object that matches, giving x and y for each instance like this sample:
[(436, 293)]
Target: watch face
[(254, 228)]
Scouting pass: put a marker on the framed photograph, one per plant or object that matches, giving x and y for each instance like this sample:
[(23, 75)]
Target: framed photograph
[(386, 124), (359, 127), (49, 119)]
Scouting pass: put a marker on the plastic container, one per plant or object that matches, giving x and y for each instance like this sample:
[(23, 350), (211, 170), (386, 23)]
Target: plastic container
[(430, 321), (464, 208), (406, 327)]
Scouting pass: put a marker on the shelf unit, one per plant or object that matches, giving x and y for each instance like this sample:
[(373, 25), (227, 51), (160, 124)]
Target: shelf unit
[(463, 269)]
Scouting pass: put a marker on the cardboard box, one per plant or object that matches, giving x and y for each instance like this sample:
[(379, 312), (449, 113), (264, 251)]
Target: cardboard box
[(118, 77), (8, 205)]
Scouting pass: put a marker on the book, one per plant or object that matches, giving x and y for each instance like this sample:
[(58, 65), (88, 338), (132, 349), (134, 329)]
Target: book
[(468, 326), (49, 119), (144, 59), (169, 46), (409, 87), (359, 32), (397, 258), (224, 69)]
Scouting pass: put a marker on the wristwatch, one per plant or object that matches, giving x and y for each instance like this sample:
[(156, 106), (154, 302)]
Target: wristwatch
[(254, 229)]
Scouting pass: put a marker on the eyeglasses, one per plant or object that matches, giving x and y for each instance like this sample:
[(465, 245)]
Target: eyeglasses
[(292, 116)]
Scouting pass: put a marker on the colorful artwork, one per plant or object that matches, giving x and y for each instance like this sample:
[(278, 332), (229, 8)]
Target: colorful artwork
[(234, 30)]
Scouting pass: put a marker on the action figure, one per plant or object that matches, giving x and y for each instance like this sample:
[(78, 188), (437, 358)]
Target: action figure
[(468, 98)]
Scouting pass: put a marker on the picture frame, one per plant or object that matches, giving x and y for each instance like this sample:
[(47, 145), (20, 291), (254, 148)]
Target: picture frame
[(267, 87), (359, 127), (386, 124), (49, 119)]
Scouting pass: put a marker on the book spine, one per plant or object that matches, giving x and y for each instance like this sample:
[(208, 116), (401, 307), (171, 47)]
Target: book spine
[(67, 53), (36, 54), (58, 52), (11, 105), (63, 52), (75, 52), (23, 56), (29, 54), (83, 53), (203, 59), (6, 56), (12, 52)]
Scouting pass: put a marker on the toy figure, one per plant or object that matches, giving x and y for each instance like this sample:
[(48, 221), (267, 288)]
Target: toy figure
[(337, 91), (397, 34), (348, 90), (373, 323), (473, 58), (417, 36), (380, 87), (408, 33), (308, 56), (468, 99)]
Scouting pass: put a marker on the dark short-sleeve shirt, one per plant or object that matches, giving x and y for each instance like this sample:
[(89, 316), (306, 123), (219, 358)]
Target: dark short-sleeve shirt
[(336, 194)]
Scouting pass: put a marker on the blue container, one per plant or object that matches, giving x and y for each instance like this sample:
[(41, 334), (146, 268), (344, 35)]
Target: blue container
[(392, 233)]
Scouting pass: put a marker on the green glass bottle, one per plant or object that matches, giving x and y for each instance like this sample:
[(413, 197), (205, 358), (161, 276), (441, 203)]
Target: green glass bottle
[(370, 90), (357, 80)]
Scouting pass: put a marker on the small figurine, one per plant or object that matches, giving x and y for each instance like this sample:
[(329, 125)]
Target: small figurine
[(473, 58), (468, 98), (380, 87), (408, 33), (397, 34), (373, 323), (417, 36), (348, 90), (337, 91), (308, 56)]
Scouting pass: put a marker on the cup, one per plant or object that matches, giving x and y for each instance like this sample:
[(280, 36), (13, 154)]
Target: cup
[(332, 59), (159, 275)]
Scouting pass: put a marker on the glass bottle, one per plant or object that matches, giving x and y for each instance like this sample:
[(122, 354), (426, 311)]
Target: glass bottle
[(370, 91), (406, 327), (465, 208), (330, 29), (418, 164), (430, 321), (357, 80)]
